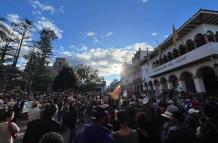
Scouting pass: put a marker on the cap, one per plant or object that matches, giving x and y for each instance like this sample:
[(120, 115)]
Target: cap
[(97, 113), (169, 111)]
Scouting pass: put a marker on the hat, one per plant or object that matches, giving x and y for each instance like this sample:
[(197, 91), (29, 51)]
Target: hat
[(145, 101), (169, 111), (191, 111), (97, 113), (170, 102)]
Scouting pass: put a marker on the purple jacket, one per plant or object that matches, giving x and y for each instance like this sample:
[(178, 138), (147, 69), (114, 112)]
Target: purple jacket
[(95, 134)]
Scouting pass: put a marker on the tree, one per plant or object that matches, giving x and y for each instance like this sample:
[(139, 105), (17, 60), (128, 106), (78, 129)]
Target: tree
[(42, 82), (88, 78), (66, 79), (47, 36)]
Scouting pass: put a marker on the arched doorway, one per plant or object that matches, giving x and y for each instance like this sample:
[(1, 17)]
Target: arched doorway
[(209, 78), (174, 80), (163, 82), (156, 84), (189, 82), (150, 85), (145, 86)]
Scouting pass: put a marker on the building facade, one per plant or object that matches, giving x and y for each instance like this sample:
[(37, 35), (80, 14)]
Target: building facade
[(191, 63), (57, 66)]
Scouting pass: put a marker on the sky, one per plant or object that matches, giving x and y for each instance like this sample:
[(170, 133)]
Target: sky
[(104, 33)]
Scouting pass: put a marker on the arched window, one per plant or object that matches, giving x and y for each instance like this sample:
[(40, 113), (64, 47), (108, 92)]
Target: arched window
[(165, 59), (210, 36), (169, 56), (175, 53), (200, 40), (161, 61), (216, 36), (157, 62), (190, 45), (182, 49)]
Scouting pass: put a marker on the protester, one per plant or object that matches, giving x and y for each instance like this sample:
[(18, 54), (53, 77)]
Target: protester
[(178, 133), (34, 113), (70, 122), (208, 132), (8, 129), (37, 128), (95, 133), (125, 134), (51, 137), (143, 122)]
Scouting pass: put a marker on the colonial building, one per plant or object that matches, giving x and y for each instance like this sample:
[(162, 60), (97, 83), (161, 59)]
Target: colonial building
[(192, 61), (132, 73), (127, 77)]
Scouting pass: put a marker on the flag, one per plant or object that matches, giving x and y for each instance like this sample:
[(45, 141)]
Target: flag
[(175, 36), (116, 92)]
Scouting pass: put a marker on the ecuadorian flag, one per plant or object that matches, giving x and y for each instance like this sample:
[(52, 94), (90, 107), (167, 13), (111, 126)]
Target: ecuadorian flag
[(116, 92)]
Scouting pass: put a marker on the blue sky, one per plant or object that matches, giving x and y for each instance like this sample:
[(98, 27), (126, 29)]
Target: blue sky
[(104, 33)]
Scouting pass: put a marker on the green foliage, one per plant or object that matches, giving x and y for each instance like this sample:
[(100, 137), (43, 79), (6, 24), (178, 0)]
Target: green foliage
[(45, 44), (65, 80), (42, 81), (88, 77)]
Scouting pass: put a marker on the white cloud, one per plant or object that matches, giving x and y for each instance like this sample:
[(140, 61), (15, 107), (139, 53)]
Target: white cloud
[(166, 36), (154, 34), (93, 36), (90, 34), (144, 1), (14, 18), (43, 7), (72, 46), (46, 23), (107, 35), (108, 61)]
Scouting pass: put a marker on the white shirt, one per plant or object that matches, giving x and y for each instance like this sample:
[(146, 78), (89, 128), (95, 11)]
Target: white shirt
[(33, 114), (5, 134)]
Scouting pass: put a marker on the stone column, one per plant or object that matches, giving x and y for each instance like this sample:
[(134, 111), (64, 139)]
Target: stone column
[(199, 85), (182, 85)]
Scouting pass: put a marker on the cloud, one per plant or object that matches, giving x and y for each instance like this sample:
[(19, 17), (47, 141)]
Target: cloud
[(166, 36), (90, 34), (72, 46), (144, 1), (108, 61), (44, 22), (154, 34), (107, 35), (14, 18), (93, 36), (43, 7), (40, 7)]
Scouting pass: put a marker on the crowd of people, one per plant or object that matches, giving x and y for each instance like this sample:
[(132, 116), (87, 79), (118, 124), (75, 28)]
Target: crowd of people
[(67, 117)]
